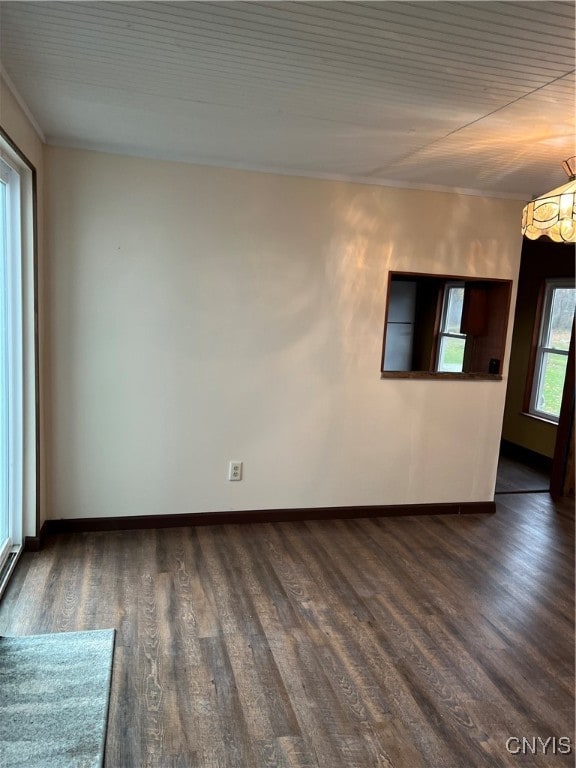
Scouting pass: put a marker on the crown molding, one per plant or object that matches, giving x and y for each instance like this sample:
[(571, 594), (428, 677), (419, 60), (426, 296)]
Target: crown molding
[(171, 157)]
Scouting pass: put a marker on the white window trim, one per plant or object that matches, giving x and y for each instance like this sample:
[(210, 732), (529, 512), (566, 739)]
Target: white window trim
[(541, 350), (20, 334)]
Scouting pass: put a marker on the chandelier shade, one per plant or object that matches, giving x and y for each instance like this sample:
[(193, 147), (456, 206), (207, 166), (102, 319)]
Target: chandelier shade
[(554, 214)]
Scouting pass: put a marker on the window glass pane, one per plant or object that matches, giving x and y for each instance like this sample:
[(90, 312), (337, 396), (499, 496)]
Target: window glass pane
[(454, 310), (560, 328), (451, 356), (4, 528), (551, 383)]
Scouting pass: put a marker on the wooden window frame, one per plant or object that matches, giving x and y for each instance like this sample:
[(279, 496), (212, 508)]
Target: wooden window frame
[(468, 315)]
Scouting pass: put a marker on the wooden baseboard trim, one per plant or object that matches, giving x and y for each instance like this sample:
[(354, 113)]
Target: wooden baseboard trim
[(477, 507), (525, 456), (82, 525), (35, 543)]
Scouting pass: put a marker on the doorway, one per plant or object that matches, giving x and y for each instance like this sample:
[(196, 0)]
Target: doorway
[(535, 454)]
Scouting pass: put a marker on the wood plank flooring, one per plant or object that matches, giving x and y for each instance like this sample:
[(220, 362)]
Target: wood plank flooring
[(517, 477), (384, 643)]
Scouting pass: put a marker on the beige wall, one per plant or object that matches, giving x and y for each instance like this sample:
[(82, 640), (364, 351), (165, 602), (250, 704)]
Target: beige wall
[(19, 129), (201, 315), (519, 428)]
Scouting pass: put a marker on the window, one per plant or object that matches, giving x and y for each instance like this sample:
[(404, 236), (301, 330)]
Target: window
[(451, 343), (552, 349), (10, 360), (18, 417)]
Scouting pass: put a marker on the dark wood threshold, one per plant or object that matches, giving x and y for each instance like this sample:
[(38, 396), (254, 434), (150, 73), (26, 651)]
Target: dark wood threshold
[(80, 525), (440, 376), (515, 493)]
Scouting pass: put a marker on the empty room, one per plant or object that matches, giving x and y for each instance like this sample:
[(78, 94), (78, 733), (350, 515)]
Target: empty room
[(287, 384)]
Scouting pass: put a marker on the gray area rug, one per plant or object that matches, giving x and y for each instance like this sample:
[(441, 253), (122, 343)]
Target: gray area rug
[(54, 693)]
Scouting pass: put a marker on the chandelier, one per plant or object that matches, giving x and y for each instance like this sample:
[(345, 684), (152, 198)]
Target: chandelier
[(554, 214)]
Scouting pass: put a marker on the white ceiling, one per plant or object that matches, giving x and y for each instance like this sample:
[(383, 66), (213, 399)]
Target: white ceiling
[(469, 95)]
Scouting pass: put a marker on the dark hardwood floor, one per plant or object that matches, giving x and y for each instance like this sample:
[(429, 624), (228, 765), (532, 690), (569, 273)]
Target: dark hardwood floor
[(518, 477), (394, 642)]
